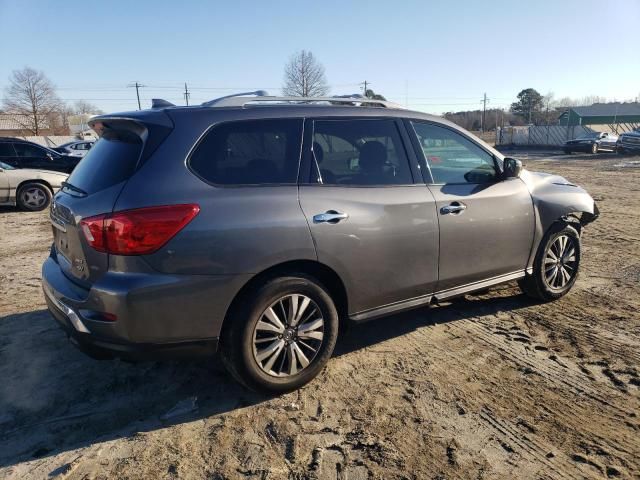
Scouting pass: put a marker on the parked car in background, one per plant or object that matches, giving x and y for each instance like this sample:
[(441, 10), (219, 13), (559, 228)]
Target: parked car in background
[(629, 142), (23, 154), (259, 229), (592, 143), (75, 149), (27, 188)]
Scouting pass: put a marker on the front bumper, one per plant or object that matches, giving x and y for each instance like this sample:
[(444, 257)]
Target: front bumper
[(628, 147), (158, 315)]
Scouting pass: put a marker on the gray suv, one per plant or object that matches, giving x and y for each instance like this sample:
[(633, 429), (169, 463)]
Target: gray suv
[(257, 225)]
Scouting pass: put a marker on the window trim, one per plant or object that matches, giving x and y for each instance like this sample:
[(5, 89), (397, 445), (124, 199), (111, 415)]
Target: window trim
[(423, 160), (211, 127), (307, 179)]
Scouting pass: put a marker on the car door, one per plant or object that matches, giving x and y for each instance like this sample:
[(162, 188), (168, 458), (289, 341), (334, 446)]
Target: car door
[(8, 154), (370, 221), (33, 156), (486, 223), (608, 141), (4, 182)]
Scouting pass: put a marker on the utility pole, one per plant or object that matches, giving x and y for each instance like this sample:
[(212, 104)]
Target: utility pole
[(365, 83), (186, 94), (484, 112), (138, 87)]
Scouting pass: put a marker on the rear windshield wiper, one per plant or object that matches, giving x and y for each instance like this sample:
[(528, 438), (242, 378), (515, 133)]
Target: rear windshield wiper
[(66, 184)]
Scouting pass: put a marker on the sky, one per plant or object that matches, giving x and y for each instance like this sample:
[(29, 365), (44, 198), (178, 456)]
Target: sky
[(431, 56)]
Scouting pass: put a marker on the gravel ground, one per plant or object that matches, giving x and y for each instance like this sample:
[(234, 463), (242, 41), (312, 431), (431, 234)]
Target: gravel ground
[(488, 386)]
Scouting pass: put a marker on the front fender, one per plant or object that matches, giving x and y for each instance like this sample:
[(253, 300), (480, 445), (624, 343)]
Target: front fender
[(555, 198)]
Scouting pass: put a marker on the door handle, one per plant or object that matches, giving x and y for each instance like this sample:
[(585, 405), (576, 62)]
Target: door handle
[(330, 216), (454, 207)]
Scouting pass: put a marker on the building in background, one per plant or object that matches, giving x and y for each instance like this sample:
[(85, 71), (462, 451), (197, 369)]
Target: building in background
[(79, 126), (618, 117), (16, 125)]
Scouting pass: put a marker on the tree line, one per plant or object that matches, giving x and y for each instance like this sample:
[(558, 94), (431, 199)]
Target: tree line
[(32, 98)]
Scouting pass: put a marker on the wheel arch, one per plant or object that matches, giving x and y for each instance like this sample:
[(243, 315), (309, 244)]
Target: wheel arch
[(35, 180), (324, 274)]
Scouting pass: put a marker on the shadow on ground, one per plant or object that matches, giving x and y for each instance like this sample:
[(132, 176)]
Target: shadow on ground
[(54, 399)]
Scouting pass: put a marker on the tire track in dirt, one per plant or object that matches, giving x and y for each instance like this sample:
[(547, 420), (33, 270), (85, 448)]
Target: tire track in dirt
[(509, 436), (551, 371)]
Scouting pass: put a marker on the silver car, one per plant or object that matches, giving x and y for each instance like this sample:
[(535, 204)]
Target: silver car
[(75, 149), (258, 225), (28, 188)]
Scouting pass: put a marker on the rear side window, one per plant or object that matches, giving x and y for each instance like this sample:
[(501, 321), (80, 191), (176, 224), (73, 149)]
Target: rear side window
[(112, 160), (26, 150), (359, 152), (251, 152), (6, 150)]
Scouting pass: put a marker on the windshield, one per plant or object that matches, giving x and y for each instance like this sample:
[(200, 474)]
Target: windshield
[(4, 166)]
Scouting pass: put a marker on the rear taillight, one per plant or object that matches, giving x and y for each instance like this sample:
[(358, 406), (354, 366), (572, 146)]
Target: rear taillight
[(137, 232)]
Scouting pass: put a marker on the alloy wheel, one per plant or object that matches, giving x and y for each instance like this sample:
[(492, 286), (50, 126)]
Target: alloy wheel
[(288, 335), (560, 262), (33, 197)]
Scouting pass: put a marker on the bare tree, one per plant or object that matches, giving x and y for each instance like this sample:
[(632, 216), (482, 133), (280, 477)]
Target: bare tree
[(304, 76), (32, 96), (83, 107)]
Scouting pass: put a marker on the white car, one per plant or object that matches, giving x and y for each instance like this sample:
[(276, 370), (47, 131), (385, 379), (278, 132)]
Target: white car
[(75, 149), (28, 188)]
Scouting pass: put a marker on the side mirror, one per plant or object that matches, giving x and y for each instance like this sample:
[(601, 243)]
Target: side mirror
[(512, 167)]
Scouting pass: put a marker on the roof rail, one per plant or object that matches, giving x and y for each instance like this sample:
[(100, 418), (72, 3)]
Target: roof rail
[(260, 96)]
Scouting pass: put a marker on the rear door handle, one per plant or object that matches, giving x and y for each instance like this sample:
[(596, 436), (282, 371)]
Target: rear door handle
[(454, 207), (330, 216)]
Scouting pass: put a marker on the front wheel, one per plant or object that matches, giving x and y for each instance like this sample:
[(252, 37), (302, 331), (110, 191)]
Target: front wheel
[(33, 197), (281, 334), (594, 148), (556, 265)]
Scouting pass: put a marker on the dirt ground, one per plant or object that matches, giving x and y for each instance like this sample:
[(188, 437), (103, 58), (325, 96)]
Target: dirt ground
[(489, 386)]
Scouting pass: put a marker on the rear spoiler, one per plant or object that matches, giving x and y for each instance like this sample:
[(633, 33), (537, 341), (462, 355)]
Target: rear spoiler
[(152, 127)]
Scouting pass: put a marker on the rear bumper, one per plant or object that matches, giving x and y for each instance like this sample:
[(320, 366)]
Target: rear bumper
[(105, 348), (158, 315)]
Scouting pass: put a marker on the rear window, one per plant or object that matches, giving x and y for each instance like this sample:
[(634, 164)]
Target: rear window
[(249, 152), (112, 160)]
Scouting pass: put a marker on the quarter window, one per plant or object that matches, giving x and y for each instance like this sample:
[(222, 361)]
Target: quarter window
[(452, 158), (250, 152), (359, 152)]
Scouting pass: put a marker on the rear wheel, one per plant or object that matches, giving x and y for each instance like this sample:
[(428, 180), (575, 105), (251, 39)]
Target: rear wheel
[(556, 265), (281, 335), (33, 197)]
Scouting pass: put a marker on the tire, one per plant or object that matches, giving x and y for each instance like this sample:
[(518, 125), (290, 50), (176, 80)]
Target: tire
[(594, 148), (242, 340), (33, 197), (538, 285)]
